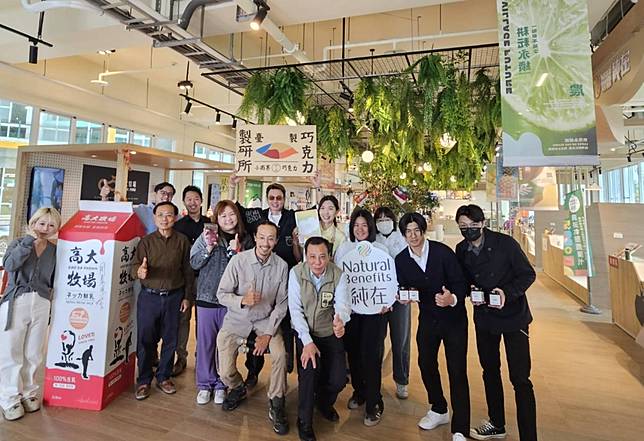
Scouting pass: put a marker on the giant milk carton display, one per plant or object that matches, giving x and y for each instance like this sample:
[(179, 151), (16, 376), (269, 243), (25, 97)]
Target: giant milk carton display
[(92, 341)]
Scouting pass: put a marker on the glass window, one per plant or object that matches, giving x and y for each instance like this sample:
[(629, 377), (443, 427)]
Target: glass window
[(164, 144), (117, 135), (198, 178), (213, 153), (88, 132), (141, 139), (615, 193), (54, 128), (15, 123)]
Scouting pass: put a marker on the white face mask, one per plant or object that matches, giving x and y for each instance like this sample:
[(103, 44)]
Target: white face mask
[(385, 227)]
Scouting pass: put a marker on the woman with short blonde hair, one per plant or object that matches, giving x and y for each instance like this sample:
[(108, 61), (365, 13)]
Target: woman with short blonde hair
[(24, 313)]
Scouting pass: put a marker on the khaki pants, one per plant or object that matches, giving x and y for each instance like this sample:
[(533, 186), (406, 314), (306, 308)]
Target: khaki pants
[(227, 348)]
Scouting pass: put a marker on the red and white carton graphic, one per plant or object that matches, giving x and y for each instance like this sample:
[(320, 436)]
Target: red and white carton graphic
[(91, 352)]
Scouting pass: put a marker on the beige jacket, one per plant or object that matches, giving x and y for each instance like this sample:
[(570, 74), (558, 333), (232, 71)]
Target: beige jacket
[(271, 279)]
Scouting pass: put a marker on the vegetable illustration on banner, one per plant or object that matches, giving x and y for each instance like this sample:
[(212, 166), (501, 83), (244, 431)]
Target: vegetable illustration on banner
[(272, 150), (371, 278), (577, 257), (547, 98)]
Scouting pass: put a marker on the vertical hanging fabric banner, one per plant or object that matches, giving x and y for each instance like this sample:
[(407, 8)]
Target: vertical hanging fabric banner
[(547, 97), (577, 256), (271, 150)]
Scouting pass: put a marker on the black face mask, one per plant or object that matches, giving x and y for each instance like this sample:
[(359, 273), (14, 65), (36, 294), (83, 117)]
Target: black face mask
[(471, 234)]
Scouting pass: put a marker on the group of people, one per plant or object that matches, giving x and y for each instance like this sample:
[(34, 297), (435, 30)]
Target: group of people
[(258, 291)]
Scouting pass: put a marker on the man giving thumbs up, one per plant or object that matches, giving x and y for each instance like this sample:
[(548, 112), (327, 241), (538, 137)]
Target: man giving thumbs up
[(319, 305)]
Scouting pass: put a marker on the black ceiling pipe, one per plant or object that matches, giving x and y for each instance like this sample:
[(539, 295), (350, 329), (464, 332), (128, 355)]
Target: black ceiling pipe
[(184, 21)]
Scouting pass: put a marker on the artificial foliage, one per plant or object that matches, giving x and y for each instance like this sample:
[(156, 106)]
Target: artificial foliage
[(404, 118)]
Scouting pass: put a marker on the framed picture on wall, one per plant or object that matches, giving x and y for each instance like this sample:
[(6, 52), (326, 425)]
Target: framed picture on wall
[(98, 184), (46, 189)]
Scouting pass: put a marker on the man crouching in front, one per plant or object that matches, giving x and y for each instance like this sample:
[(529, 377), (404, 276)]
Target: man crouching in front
[(319, 305), (253, 288)]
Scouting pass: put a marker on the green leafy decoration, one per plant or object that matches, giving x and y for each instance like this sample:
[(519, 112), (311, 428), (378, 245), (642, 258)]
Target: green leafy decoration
[(334, 131)]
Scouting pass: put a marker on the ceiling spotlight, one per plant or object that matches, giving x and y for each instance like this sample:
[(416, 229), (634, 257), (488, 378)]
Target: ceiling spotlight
[(234, 123), (367, 156), (350, 105), (186, 111), (218, 118), (33, 54), (629, 159), (186, 84), (262, 11)]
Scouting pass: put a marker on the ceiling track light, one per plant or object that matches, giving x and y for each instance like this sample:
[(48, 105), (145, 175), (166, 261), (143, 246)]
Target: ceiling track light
[(186, 111), (629, 159), (350, 108), (234, 123), (218, 118), (260, 15)]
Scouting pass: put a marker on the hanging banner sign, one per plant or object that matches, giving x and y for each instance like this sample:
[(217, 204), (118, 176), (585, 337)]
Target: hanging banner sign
[(577, 256), (371, 278), (270, 150), (547, 97)]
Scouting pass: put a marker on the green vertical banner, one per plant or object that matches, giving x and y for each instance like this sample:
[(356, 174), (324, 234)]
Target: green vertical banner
[(547, 98), (577, 256)]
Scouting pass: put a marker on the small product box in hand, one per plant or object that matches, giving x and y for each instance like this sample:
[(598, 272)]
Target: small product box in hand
[(413, 295), (477, 296), (403, 294), (495, 299)]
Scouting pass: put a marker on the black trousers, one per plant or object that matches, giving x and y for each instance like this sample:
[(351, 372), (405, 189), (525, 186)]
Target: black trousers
[(364, 340), (254, 364), (454, 337), (320, 385), (157, 319), (517, 349)]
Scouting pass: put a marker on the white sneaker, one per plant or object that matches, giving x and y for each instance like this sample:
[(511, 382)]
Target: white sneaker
[(31, 404), (15, 412), (401, 391), (203, 397), (458, 437), (433, 420), (220, 396)]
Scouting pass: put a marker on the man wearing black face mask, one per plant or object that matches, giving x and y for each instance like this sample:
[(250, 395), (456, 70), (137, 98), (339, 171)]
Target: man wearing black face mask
[(495, 264)]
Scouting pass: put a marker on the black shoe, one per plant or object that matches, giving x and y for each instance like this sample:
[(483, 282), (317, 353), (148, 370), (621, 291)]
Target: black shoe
[(251, 380), (487, 431), (234, 398), (371, 418), (355, 401), (305, 431), (179, 367), (277, 414), (329, 413)]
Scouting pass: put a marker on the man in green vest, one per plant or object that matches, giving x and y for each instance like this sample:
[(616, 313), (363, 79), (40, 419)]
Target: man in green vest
[(320, 306)]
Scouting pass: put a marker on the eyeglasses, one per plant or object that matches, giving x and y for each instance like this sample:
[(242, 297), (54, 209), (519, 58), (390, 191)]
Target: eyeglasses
[(165, 193), (275, 198)]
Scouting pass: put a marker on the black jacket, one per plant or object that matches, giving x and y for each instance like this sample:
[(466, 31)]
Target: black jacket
[(500, 264), (284, 246), (442, 270)]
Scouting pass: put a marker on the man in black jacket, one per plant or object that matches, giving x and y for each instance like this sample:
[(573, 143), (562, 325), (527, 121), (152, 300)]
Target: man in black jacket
[(431, 268), (495, 264)]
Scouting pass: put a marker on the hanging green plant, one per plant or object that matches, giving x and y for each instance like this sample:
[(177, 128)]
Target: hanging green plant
[(282, 94), (334, 131), (430, 78)]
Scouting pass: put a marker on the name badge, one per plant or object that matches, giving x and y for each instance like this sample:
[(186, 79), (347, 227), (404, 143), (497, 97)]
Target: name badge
[(327, 299)]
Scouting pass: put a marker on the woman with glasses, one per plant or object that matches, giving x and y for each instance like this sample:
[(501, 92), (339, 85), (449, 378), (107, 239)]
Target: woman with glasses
[(365, 334)]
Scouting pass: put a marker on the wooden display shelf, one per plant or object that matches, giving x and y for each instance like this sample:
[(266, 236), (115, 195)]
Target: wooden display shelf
[(626, 284), (553, 266)]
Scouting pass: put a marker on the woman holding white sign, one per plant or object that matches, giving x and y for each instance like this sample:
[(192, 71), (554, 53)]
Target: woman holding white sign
[(432, 269), (371, 280)]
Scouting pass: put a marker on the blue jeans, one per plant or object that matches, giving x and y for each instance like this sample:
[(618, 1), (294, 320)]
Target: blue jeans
[(157, 319), (399, 320)]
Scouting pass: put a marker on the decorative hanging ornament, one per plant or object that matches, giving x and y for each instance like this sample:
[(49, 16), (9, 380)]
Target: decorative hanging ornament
[(367, 156), (401, 194)]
